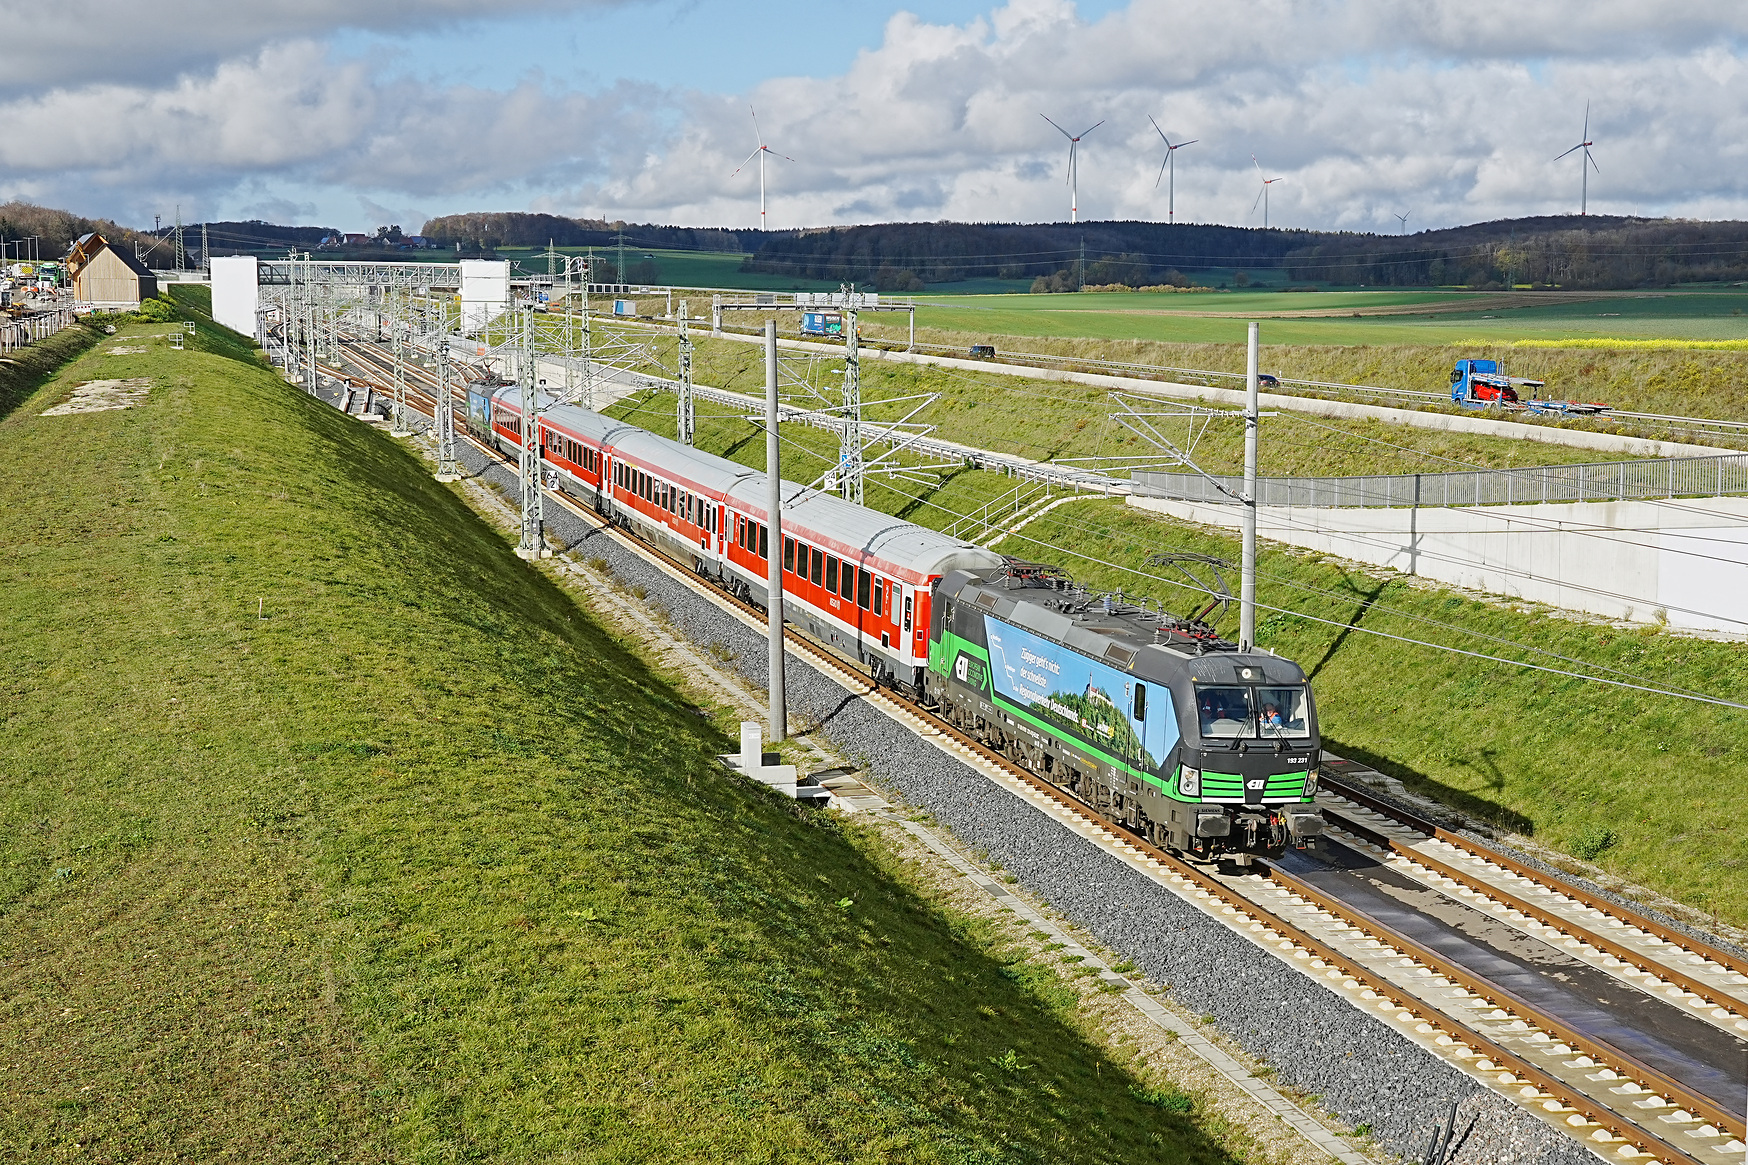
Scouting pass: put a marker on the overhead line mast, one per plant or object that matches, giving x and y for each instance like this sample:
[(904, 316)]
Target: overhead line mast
[(533, 541)]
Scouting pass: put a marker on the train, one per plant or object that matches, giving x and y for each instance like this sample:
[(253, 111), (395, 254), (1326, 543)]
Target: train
[(1151, 720)]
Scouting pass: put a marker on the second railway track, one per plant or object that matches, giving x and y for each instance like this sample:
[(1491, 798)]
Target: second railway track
[(1644, 1067)]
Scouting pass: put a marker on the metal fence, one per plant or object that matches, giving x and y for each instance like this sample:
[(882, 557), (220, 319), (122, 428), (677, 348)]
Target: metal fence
[(16, 334), (1597, 481)]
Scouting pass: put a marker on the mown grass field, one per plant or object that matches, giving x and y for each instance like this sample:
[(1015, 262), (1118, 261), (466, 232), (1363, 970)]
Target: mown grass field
[(330, 831), (1349, 317), (1648, 786)]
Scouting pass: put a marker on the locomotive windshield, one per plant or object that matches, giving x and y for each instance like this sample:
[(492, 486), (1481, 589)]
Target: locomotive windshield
[(1225, 712), (1281, 712), (1228, 713)]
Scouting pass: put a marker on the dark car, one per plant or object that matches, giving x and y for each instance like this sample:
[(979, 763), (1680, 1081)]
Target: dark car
[(1267, 380), (983, 351)]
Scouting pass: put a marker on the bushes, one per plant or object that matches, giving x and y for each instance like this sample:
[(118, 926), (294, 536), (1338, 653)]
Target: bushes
[(158, 310)]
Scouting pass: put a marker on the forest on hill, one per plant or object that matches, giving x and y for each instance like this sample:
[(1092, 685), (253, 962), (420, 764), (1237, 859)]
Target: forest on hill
[(484, 230), (1133, 253), (1570, 251), (55, 231)]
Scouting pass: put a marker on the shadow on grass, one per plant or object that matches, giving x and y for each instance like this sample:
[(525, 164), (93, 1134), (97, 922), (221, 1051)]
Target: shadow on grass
[(923, 499), (1335, 645), (1465, 800)]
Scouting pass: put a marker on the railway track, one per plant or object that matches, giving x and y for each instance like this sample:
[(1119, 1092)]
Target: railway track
[(1596, 1018)]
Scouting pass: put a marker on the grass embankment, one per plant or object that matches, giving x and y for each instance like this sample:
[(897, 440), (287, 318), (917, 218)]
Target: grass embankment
[(331, 831), (27, 369), (1647, 786), (1047, 420)]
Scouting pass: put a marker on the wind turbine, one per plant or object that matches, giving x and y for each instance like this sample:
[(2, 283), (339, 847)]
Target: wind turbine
[(1404, 219), (1170, 163), (760, 154), (1584, 197), (1073, 168), (1262, 195)]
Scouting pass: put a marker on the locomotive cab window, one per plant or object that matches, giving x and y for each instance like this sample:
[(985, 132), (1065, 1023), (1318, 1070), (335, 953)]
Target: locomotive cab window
[(1225, 713), (1282, 712)]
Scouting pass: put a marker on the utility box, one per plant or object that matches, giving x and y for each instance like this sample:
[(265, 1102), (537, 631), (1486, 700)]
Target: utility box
[(625, 307), (822, 323)]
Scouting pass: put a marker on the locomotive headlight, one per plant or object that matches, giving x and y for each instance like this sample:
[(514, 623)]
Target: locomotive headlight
[(1189, 781)]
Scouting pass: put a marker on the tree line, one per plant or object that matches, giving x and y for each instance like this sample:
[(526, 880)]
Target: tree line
[(486, 230), (905, 256), (1591, 252)]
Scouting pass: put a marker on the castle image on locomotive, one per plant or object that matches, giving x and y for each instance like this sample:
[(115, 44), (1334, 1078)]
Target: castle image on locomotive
[(1152, 721)]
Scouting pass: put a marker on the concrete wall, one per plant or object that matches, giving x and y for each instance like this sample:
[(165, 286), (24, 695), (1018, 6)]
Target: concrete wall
[(236, 292), (1627, 560), (485, 291)]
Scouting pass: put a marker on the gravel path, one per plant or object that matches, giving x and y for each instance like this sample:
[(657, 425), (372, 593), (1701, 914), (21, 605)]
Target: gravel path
[(1362, 1071)]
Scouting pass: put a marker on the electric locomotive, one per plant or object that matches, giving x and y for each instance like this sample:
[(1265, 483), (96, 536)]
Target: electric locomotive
[(1153, 721)]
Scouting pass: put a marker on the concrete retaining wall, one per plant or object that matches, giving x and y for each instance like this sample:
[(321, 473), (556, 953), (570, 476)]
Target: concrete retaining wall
[(1685, 560)]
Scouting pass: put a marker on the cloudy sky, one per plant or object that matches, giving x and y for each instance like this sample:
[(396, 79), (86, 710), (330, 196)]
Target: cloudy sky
[(354, 113)]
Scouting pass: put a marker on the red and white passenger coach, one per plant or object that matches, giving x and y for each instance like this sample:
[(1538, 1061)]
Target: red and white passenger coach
[(853, 577)]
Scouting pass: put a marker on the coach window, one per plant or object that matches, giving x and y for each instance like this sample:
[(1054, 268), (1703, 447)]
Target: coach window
[(831, 574), (789, 555), (849, 580), (765, 543), (864, 583), (907, 612), (818, 573), (879, 589)]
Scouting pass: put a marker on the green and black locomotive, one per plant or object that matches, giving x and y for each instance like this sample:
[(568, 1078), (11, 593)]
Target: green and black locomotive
[(1152, 720)]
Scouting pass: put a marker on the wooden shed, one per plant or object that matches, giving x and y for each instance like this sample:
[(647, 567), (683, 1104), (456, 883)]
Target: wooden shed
[(108, 277)]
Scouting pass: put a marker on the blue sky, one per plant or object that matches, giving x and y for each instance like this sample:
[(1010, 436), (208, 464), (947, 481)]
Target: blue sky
[(715, 47), (356, 113)]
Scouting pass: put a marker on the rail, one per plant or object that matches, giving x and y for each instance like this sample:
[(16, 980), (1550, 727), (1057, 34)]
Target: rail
[(1586, 1105), (1592, 481)]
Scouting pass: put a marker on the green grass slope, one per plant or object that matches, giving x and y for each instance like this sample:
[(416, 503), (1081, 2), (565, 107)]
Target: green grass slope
[(27, 369), (1646, 785), (330, 831)]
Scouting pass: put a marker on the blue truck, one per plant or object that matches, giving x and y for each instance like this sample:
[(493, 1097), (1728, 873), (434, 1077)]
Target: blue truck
[(1482, 384)]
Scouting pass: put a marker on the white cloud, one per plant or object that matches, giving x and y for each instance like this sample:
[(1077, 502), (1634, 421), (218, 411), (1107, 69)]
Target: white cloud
[(47, 43), (1452, 111)]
